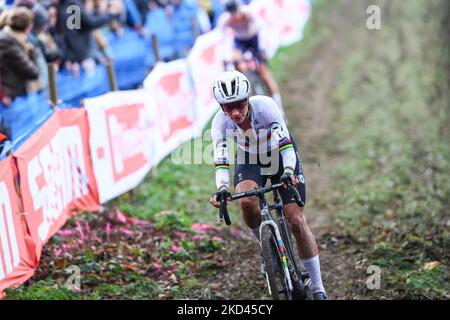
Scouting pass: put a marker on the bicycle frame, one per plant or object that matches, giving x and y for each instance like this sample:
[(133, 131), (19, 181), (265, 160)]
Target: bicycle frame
[(266, 219)]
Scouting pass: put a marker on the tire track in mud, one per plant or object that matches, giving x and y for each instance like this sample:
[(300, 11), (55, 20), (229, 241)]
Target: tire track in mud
[(309, 102)]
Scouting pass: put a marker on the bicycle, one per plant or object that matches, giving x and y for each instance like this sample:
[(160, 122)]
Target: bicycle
[(283, 275), (248, 64)]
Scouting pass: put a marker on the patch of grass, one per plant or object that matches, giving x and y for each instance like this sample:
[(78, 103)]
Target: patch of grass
[(173, 221), (43, 290), (140, 288), (190, 289), (394, 184)]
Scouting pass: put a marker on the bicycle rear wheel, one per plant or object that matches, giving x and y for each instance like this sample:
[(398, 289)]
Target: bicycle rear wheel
[(273, 265)]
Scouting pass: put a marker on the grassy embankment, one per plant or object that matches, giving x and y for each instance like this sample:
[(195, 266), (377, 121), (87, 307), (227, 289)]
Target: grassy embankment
[(393, 138)]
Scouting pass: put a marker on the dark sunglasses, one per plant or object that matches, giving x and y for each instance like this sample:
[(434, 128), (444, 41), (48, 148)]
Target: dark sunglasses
[(229, 107)]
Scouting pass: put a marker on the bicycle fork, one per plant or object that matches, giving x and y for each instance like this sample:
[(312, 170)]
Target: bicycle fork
[(281, 248)]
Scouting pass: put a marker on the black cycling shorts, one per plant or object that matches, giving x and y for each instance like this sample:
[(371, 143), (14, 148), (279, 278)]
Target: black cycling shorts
[(251, 45), (253, 167)]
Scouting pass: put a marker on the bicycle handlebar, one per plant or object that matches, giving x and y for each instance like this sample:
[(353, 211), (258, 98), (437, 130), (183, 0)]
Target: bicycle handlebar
[(223, 212)]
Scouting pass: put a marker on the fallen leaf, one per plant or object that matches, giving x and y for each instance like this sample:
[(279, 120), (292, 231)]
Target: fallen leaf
[(130, 267), (432, 265), (61, 263)]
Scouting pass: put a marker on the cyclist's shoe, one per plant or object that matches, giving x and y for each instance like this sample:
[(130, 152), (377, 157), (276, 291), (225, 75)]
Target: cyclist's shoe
[(320, 296)]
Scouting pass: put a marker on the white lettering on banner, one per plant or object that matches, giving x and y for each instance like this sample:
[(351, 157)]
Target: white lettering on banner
[(73, 147), (61, 165), (115, 131), (7, 230)]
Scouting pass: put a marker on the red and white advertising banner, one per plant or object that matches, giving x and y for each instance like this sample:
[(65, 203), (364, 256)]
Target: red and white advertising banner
[(56, 176), (121, 139), (172, 101), (268, 16), (17, 250), (282, 22), (294, 16), (206, 62)]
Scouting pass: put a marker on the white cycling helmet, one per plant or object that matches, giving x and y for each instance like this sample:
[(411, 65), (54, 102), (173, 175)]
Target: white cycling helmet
[(231, 86)]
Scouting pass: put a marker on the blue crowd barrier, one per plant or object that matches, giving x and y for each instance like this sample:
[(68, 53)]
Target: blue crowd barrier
[(24, 113), (72, 89), (18, 141), (182, 27), (158, 23), (132, 56)]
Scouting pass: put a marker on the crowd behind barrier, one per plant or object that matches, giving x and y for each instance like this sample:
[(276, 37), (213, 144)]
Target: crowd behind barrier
[(129, 45), (77, 158)]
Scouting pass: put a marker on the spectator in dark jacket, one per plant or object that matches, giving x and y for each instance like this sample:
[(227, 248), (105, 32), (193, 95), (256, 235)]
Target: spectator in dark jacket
[(78, 39), (18, 58), (56, 35), (46, 42)]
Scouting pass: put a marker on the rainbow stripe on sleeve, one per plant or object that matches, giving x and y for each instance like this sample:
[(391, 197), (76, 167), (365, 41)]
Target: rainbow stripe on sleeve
[(222, 166), (286, 145)]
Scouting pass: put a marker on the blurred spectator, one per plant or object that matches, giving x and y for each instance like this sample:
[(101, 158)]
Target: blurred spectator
[(3, 18), (161, 3), (56, 35), (153, 5), (204, 15), (78, 39), (41, 31), (142, 6), (100, 50), (40, 18), (133, 15), (19, 71), (42, 38)]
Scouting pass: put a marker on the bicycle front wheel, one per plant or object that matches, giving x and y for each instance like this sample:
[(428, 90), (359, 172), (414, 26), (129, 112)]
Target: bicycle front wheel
[(273, 265)]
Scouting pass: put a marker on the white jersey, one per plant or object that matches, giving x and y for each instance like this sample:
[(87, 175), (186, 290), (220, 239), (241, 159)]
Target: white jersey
[(268, 132), (243, 30)]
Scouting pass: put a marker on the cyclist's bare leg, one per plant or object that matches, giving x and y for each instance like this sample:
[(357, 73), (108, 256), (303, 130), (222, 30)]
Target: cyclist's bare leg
[(270, 83), (267, 79), (249, 206), (306, 243), (237, 59)]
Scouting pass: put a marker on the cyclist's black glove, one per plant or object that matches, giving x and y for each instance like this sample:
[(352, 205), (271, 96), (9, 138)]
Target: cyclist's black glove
[(286, 178), (223, 193)]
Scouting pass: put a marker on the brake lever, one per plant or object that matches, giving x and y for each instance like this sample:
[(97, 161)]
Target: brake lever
[(223, 212), (298, 198)]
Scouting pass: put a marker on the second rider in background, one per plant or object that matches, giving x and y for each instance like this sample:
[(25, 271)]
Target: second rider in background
[(244, 24)]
